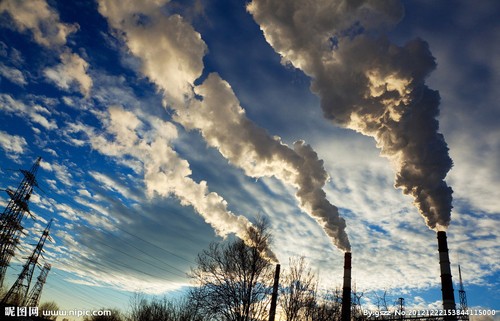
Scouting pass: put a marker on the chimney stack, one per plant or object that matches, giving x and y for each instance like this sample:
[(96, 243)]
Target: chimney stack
[(274, 297), (446, 282), (346, 290)]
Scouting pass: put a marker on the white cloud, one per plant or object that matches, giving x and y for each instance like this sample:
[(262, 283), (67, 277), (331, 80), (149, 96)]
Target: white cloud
[(113, 185), (99, 208), (19, 108), (37, 17), (13, 145), (43, 121), (71, 71), (84, 192), (12, 74), (51, 151), (61, 171)]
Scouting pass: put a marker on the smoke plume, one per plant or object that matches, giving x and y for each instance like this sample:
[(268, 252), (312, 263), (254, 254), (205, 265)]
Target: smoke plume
[(224, 125), (370, 85), (173, 61), (165, 173)]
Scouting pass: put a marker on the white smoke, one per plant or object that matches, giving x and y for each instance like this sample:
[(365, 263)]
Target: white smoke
[(370, 85), (224, 125), (165, 173), (171, 52)]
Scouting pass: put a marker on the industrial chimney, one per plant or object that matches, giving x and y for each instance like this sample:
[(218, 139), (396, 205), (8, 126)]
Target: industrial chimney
[(346, 290), (446, 282), (274, 297)]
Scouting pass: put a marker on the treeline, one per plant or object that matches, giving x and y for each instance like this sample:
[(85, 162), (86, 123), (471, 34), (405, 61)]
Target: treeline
[(233, 282)]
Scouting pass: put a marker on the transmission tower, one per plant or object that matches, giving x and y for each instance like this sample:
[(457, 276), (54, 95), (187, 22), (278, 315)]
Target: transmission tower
[(462, 296), (17, 294), (36, 292), (10, 219)]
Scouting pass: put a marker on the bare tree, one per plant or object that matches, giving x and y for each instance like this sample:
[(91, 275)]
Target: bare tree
[(382, 301), (325, 306), (164, 309), (297, 294), (356, 306), (235, 279)]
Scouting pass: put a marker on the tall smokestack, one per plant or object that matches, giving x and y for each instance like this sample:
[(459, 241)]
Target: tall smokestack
[(346, 290), (274, 297), (446, 282)]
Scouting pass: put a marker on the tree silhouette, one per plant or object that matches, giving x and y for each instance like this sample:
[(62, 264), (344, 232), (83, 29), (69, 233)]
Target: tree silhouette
[(235, 279), (298, 291)]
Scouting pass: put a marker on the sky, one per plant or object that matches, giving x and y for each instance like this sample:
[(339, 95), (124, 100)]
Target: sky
[(166, 125)]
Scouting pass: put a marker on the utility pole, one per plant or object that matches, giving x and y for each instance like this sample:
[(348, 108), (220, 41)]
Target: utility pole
[(36, 292), (17, 294), (10, 219)]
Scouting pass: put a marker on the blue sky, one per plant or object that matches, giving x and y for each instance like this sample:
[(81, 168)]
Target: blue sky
[(165, 127)]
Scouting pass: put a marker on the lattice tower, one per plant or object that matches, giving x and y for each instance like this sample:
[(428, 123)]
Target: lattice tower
[(462, 296), (10, 219), (18, 292), (36, 291)]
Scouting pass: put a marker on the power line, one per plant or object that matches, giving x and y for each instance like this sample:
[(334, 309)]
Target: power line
[(149, 263), (118, 227), (92, 287), (165, 250), (120, 266), (123, 267), (137, 258)]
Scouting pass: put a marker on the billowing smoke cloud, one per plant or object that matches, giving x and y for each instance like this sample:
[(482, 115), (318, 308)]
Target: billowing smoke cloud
[(165, 173), (171, 51), (224, 125), (173, 60), (370, 85)]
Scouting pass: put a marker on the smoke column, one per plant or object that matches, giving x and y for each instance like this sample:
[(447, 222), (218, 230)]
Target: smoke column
[(165, 173), (173, 61), (224, 125), (369, 85)]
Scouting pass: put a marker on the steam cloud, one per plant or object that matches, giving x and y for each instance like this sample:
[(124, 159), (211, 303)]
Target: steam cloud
[(369, 85), (171, 52)]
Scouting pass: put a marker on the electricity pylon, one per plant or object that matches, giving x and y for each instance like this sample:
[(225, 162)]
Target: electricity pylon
[(10, 219), (463, 298), (17, 294), (36, 292)]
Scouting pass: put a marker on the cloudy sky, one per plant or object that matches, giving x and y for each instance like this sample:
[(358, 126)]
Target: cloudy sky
[(166, 125)]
